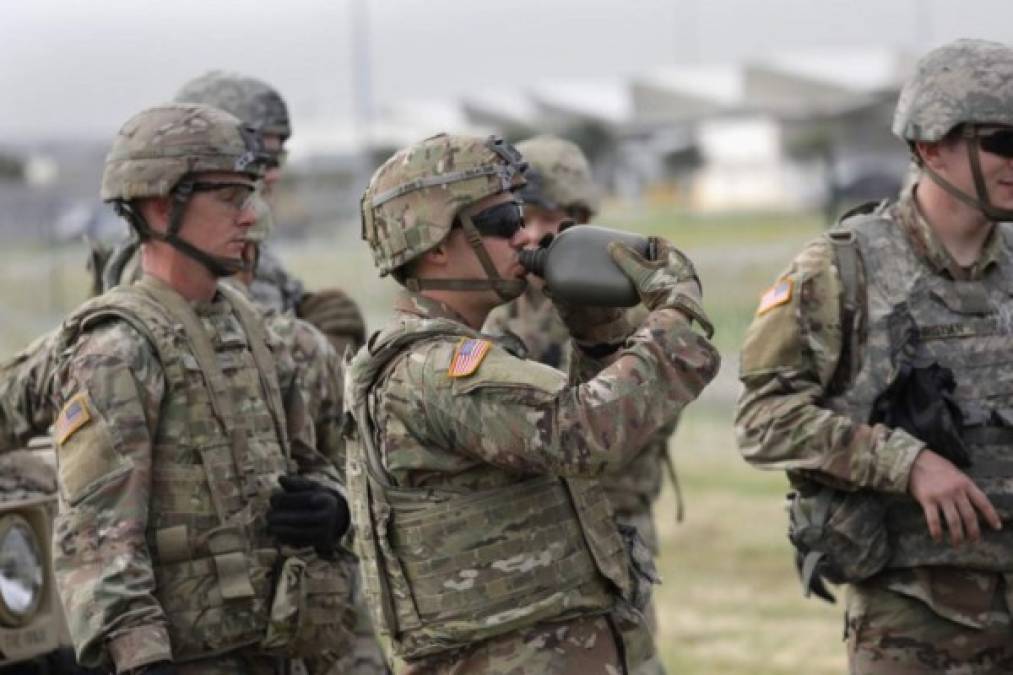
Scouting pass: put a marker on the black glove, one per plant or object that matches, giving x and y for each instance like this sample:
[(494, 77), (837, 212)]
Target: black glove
[(307, 514), (920, 401)]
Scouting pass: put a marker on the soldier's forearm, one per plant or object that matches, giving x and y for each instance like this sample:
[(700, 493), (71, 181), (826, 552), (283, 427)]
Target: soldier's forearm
[(783, 431)]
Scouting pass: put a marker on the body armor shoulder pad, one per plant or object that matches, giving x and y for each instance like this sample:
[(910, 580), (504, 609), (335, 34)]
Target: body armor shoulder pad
[(122, 304)]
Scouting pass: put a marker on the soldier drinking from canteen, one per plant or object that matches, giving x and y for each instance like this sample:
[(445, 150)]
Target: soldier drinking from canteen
[(483, 545)]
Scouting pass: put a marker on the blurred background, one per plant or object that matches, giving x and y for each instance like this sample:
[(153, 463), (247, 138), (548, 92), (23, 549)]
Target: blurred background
[(738, 129)]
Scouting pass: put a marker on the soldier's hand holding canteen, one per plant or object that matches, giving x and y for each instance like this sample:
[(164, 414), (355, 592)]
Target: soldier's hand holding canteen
[(595, 326), (666, 280), (307, 514)]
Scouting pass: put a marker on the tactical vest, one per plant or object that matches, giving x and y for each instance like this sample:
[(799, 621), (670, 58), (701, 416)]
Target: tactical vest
[(219, 447), (965, 326), (443, 570)]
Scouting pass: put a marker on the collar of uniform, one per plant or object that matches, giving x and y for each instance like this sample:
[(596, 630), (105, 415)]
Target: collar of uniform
[(202, 307), (929, 247), (426, 308)]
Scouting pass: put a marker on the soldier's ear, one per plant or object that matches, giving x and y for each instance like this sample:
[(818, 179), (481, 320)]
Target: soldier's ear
[(437, 256), (155, 211), (929, 153)]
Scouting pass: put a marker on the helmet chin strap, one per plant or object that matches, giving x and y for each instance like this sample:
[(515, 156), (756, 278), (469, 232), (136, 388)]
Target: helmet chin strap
[(981, 202), (506, 289), (218, 266)]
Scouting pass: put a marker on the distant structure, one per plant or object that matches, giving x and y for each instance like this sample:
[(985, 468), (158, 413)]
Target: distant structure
[(794, 130)]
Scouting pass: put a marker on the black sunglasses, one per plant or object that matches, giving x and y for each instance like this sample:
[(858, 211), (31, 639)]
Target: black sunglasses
[(502, 220), (997, 142)]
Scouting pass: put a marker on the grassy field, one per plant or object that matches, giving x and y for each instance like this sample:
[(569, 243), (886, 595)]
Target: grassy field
[(730, 603)]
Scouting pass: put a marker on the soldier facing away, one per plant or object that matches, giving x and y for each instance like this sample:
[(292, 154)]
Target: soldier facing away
[(560, 192), (175, 549), (879, 373), (485, 545)]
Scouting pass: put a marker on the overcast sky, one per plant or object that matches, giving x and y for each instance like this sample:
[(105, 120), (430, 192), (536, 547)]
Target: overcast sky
[(81, 68)]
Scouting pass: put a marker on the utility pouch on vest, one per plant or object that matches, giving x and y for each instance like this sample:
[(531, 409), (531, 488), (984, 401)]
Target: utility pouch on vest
[(838, 536), (311, 610), (201, 621)]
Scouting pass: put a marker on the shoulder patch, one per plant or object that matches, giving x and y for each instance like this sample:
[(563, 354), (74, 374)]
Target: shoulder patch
[(75, 414), (778, 294), (468, 357)]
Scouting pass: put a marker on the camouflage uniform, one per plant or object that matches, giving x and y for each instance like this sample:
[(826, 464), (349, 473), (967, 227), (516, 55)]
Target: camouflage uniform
[(483, 547), (176, 419), (319, 374), (559, 177), (819, 353)]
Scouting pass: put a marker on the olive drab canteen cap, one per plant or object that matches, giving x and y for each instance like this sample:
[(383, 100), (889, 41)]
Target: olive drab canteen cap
[(251, 100), (964, 82), (413, 198), (559, 175), (157, 147)]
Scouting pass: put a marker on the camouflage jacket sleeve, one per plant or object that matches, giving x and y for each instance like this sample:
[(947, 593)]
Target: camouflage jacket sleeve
[(790, 354), (310, 375), (524, 416), (110, 386), (26, 405)]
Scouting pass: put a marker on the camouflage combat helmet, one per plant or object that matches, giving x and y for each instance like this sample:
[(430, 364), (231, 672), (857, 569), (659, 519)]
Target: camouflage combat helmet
[(964, 84), (415, 197), (251, 100), (559, 177), (162, 151)]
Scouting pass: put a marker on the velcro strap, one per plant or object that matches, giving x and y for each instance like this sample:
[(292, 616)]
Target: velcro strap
[(226, 540), (173, 544), (233, 576)]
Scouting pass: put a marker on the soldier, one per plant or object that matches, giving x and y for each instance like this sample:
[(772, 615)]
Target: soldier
[(881, 361), (483, 546), (175, 551), (560, 192), (262, 107)]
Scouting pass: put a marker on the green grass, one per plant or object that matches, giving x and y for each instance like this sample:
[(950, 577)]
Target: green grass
[(730, 603)]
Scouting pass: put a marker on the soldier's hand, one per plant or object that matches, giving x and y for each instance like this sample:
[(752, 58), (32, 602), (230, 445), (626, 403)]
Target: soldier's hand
[(594, 326), (942, 488), (667, 280), (306, 513)]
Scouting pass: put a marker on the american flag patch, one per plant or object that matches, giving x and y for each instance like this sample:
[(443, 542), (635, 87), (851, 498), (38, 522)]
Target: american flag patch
[(778, 294), (75, 414), (468, 357)]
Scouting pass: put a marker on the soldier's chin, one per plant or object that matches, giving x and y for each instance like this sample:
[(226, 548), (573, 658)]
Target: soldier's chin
[(515, 290)]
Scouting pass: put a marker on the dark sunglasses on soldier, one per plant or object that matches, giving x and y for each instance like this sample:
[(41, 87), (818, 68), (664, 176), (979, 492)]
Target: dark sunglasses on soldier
[(502, 220), (996, 141)]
